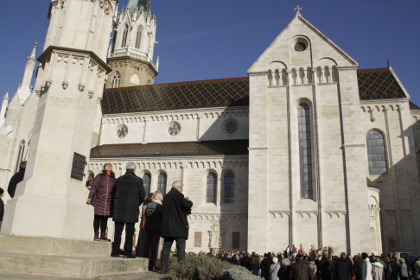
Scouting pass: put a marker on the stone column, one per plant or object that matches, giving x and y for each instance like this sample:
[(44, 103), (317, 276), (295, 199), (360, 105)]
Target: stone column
[(50, 201)]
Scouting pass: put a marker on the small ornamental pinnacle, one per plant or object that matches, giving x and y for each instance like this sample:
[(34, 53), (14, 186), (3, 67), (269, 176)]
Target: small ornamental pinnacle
[(298, 8)]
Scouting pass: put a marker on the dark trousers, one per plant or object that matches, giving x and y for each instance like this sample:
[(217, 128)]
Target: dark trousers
[(151, 246), (129, 232), (140, 242), (180, 249), (100, 220)]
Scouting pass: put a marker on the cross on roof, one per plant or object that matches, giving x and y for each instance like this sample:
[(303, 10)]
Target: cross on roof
[(298, 8)]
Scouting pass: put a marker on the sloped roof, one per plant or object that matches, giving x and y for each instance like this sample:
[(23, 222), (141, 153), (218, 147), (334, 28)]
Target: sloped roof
[(377, 83), (227, 147), (414, 106), (197, 94)]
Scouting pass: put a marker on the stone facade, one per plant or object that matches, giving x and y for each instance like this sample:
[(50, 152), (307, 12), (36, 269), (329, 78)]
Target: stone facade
[(310, 173)]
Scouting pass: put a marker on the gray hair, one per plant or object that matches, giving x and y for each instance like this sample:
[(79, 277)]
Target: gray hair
[(130, 166), (177, 183), (343, 255)]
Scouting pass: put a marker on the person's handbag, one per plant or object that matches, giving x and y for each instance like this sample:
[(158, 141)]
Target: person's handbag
[(92, 202), (143, 220)]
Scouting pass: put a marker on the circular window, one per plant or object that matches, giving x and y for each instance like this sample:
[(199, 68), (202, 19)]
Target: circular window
[(122, 131), (300, 47), (174, 129), (231, 127)]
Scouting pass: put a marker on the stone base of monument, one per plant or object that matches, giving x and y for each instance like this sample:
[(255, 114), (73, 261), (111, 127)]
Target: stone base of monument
[(63, 257)]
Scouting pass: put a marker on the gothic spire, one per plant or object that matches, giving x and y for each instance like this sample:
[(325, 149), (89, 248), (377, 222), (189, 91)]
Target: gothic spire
[(136, 5)]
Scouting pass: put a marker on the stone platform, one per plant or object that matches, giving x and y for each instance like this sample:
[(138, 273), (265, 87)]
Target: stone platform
[(44, 256)]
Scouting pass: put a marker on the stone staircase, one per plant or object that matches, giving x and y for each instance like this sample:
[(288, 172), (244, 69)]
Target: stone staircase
[(49, 257)]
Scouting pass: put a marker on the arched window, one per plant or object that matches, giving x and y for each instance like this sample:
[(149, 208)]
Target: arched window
[(20, 155), (116, 80), (376, 153), (124, 38), (305, 154), (146, 182), (211, 188), (162, 183), (138, 37), (228, 187)]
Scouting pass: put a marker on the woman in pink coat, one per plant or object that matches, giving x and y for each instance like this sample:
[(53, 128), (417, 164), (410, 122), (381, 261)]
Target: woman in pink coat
[(103, 187)]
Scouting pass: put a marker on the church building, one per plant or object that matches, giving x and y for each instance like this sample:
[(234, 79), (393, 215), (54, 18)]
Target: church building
[(306, 149)]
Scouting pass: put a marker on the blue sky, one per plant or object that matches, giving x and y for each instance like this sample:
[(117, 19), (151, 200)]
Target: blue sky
[(201, 39)]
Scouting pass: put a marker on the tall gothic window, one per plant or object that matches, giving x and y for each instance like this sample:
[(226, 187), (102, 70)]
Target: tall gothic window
[(146, 182), (138, 37), (124, 38), (376, 153), (116, 80), (211, 188), (305, 154), (228, 187), (20, 155), (162, 179)]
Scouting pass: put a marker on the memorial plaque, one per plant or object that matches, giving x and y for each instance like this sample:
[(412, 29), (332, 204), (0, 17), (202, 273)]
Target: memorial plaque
[(197, 239), (235, 240), (78, 167)]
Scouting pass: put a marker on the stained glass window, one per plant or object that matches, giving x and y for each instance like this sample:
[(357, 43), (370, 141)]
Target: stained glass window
[(211, 188), (162, 179), (305, 153), (228, 187), (376, 153), (146, 182)]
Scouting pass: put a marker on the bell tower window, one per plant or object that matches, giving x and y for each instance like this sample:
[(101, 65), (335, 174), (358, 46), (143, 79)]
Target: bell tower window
[(138, 37), (116, 80), (124, 38)]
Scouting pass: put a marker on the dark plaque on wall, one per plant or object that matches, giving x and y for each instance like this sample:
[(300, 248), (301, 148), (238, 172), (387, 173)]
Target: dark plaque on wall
[(78, 167)]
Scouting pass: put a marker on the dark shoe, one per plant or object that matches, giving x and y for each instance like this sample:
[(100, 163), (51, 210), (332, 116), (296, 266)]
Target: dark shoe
[(115, 255), (96, 237), (103, 237), (122, 253), (130, 256), (163, 272)]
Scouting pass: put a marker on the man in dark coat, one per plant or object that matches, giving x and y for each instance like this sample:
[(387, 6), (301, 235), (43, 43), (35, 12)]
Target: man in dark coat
[(17, 178), (174, 223), (245, 260), (343, 268), (300, 270), (129, 195), (325, 268), (358, 268)]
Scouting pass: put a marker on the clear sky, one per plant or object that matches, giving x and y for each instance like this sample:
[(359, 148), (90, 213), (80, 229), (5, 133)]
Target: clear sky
[(202, 39)]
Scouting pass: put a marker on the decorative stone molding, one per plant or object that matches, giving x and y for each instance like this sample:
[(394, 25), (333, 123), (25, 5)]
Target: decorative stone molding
[(281, 214), (338, 214), (354, 145), (90, 94), (65, 85), (81, 87), (390, 213), (217, 217), (309, 214), (258, 74)]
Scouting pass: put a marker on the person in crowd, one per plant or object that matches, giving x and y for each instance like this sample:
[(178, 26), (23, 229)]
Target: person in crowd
[(174, 223), (17, 178), (154, 212), (254, 265), (1, 206), (416, 268), (274, 269), (129, 195), (378, 269), (367, 267), (358, 267), (313, 267), (141, 239), (300, 270), (325, 267), (403, 270), (343, 269), (387, 268), (284, 270), (102, 193), (293, 251), (394, 269), (265, 266), (89, 184), (245, 260)]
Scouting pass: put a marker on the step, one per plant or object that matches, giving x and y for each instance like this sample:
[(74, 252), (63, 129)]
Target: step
[(123, 276), (53, 246), (69, 266)]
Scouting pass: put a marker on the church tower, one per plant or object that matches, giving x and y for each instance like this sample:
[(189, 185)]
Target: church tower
[(50, 200), (131, 51)]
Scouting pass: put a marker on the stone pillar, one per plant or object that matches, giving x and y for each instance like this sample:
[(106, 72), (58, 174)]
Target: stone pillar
[(50, 201)]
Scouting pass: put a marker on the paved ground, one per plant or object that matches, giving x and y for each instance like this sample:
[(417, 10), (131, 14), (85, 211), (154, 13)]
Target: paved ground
[(138, 276)]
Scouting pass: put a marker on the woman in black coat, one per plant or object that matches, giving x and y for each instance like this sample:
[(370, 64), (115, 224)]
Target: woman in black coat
[(153, 229)]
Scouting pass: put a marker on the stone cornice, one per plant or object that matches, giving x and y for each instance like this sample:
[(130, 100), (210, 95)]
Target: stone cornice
[(347, 68), (258, 74)]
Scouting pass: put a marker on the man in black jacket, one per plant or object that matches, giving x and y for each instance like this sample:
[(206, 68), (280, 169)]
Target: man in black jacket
[(17, 178), (174, 223), (343, 268), (128, 196)]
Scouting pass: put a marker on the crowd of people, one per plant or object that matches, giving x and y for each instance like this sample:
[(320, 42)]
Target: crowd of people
[(291, 265), (121, 199)]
